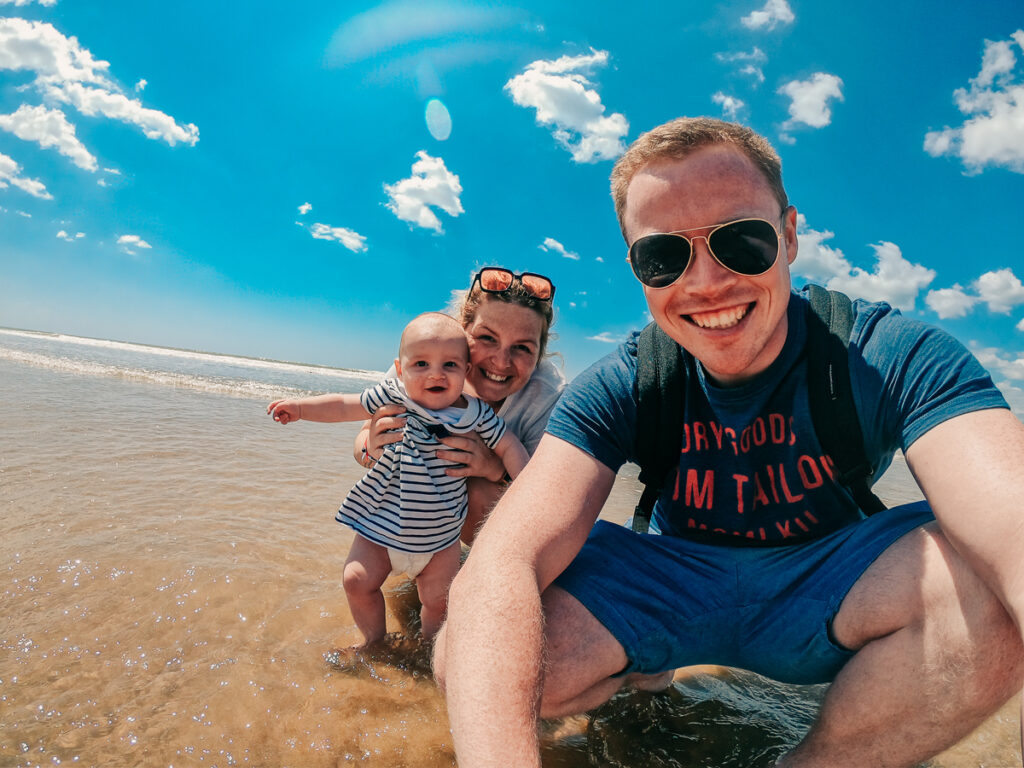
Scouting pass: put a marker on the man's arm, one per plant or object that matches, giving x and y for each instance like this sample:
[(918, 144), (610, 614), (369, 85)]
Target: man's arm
[(493, 642), (971, 469)]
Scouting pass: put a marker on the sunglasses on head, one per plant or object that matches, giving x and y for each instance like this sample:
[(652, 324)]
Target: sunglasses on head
[(499, 280), (746, 246)]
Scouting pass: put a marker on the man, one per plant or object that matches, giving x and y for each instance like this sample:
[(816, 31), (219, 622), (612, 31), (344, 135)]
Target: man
[(915, 620)]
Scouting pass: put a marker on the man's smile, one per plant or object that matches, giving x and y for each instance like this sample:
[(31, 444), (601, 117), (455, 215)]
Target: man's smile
[(720, 318)]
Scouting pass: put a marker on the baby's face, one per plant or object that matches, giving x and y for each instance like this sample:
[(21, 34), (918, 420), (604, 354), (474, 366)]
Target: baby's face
[(433, 369)]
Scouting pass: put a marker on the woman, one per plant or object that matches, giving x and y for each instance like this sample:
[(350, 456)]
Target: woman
[(508, 318)]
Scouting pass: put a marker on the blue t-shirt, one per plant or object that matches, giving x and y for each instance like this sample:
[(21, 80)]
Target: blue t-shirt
[(751, 469)]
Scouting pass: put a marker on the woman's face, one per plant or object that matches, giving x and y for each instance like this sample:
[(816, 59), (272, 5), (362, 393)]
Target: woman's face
[(504, 345)]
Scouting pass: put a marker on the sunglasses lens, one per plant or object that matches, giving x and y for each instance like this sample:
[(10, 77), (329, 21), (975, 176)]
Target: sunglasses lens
[(538, 286), (747, 247), (495, 280), (659, 260)]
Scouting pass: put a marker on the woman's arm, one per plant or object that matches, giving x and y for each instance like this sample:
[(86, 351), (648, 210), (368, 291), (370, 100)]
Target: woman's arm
[(382, 428)]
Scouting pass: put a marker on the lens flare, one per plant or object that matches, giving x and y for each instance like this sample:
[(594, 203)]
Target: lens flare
[(439, 121)]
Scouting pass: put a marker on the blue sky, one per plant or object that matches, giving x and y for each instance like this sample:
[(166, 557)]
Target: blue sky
[(296, 182)]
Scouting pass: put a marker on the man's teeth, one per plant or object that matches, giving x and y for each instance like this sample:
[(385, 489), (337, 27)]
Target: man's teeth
[(494, 377), (723, 318)]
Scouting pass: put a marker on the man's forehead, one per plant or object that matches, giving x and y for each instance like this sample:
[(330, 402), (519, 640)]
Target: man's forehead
[(717, 178)]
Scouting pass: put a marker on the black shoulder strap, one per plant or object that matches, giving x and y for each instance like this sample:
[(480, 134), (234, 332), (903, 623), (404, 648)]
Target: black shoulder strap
[(659, 417), (830, 391)]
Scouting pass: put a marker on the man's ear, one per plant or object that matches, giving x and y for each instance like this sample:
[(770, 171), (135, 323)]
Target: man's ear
[(789, 234), (398, 366)]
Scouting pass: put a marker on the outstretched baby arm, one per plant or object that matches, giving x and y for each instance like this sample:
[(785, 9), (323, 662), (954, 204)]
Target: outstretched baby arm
[(512, 453), (329, 408)]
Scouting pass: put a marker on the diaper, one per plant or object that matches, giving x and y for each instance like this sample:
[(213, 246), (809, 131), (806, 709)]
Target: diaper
[(409, 563)]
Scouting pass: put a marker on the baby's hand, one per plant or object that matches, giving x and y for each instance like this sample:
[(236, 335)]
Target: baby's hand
[(285, 411)]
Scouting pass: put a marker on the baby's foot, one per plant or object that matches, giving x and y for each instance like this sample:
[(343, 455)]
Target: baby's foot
[(404, 653)]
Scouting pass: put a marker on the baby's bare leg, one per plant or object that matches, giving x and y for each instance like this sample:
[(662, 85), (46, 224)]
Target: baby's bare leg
[(432, 583), (366, 569)]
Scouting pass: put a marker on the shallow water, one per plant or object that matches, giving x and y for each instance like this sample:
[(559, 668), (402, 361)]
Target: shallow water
[(171, 581)]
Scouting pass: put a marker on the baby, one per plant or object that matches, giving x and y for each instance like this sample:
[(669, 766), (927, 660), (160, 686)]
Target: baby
[(406, 511)]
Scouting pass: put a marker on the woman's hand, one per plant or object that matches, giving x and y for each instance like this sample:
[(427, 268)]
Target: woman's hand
[(383, 428), (472, 451)]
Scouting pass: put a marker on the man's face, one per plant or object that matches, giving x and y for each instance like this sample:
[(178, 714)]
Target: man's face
[(734, 324)]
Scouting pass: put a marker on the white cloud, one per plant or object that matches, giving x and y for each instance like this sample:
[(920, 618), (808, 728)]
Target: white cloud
[(141, 85), (815, 260), (893, 279), (604, 337), (62, 235), (565, 100), (47, 3), (431, 185), (39, 47), (550, 244), (48, 128), (775, 12), (751, 62), (117, 106), (305, 208), (9, 176), (730, 104), (950, 302), (997, 361), (1014, 398), (68, 73), (810, 99), (1001, 290), (993, 132), (347, 237), (128, 242)]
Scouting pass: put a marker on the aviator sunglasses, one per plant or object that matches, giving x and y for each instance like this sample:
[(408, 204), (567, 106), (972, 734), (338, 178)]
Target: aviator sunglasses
[(499, 280), (746, 247)]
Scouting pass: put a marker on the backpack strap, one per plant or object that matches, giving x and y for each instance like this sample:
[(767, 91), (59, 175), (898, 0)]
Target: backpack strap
[(830, 392), (659, 416)]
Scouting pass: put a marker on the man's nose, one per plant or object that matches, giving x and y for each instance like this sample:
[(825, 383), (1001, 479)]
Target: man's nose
[(704, 271)]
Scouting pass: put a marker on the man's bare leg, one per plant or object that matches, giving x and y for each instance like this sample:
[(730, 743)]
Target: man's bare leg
[(937, 656), (581, 657)]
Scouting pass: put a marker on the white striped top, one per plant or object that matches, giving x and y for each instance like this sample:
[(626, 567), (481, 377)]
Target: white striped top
[(406, 501)]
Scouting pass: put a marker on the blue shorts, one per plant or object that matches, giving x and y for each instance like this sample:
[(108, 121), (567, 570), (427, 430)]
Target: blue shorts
[(672, 602)]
